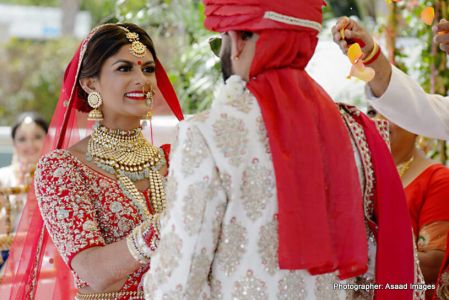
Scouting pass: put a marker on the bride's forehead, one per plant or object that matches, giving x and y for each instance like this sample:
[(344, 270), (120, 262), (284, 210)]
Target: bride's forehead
[(124, 53)]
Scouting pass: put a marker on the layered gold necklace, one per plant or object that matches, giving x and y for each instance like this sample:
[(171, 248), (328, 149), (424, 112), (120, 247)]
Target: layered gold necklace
[(403, 167), (130, 157)]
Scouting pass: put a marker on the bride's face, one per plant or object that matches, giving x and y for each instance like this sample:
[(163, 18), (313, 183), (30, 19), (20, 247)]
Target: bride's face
[(123, 83)]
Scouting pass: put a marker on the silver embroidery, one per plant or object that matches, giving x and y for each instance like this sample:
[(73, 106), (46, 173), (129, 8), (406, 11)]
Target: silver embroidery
[(171, 190), (267, 247), (257, 187), (231, 137), (292, 287), (198, 274), (243, 103), (232, 246), (194, 205), (194, 151), (216, 289), (170, 245), (262, 133), (324, 287), (250, 288)]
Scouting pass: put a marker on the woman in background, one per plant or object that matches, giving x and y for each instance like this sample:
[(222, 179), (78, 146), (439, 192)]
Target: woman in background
[(426, 185), (28, 136)]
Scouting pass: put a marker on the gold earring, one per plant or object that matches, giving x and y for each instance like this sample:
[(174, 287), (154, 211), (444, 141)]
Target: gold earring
[(94, 99), (149, 97), (148, 116)]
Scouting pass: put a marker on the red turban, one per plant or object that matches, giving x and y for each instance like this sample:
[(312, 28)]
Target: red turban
[(321, 225)]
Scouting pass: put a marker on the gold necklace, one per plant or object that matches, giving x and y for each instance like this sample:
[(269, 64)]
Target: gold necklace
[(130, 157), (403, 167)]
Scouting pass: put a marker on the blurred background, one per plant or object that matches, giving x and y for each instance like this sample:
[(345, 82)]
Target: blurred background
[(39, 37)]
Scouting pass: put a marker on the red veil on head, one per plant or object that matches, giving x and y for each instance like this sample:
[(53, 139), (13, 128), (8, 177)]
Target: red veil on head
[(34, 270), (321, 226)]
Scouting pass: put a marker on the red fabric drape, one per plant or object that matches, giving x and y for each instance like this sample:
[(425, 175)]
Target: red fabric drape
[(319, 197), (395, 262), (34, 269)]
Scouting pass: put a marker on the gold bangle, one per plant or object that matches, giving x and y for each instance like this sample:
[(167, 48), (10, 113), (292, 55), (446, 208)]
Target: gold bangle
[(372, 54), (132, 295)]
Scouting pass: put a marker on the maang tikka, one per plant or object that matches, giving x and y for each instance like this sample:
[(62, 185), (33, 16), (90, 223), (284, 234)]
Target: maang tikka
[(137, 48), (94, 99)]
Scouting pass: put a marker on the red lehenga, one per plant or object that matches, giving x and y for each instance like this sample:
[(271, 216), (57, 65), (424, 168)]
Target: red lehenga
[(34, 269)]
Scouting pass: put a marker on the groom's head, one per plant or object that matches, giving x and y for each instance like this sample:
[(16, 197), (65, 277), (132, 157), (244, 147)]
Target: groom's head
[(237, 53), (264, 35)]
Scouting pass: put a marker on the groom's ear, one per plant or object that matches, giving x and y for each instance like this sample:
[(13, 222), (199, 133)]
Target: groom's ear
[(237, 44)]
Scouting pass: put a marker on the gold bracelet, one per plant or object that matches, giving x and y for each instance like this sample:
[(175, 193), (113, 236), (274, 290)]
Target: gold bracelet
[(372, 54), (132, 295)]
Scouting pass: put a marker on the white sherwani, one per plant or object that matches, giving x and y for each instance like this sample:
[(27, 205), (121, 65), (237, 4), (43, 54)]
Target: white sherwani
[(219, 233), (406, 104)]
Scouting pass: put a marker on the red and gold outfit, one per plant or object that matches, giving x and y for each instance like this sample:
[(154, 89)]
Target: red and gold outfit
[(80, 207), (84, 209)]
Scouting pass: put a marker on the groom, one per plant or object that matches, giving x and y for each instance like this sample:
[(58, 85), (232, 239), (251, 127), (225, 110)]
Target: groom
[(276, 183)]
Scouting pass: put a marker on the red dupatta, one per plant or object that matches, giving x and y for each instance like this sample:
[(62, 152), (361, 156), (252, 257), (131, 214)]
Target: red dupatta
[(34, 269)]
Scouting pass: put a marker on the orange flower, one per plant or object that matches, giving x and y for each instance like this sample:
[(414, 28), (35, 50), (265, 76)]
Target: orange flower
[(427, 15)]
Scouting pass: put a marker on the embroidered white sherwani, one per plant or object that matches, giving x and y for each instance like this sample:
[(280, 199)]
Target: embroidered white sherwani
[(219, 236), (406, 104)]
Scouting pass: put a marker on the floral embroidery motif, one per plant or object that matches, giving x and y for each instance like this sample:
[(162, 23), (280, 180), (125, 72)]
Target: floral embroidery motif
[(262, 133), (226, 182), (171, 245), (198, 274), (232, 246), (175, 294), (171, 190), (257, 187), (194, 151), (324, 287), (292, 287), (250, 288), (82, 208), (194, 205), (231, 136), (268, 247), (242, 102), (216, 289), (216, 225)]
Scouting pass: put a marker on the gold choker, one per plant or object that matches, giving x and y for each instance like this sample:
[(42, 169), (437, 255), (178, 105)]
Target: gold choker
[(403, 167), (130, 157)]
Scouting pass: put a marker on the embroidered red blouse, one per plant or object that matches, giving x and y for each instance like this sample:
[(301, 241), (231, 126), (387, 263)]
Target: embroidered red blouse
[(82, 208)]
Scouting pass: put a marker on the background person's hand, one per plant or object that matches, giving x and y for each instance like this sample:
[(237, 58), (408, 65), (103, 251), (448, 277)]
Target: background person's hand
[(441, 37), (353, 33)]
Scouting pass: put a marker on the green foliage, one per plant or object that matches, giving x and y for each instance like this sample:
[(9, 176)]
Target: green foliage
[(32, 75), (431, 64)]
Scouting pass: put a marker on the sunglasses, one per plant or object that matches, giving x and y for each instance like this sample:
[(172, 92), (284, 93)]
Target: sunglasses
[(215, 45)]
